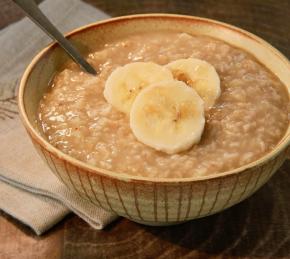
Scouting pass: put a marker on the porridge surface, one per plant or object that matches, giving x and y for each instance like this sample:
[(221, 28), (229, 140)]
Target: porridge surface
[(247, 121)]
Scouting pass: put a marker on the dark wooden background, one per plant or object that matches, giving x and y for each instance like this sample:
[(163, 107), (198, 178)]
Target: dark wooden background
[(256, 228)]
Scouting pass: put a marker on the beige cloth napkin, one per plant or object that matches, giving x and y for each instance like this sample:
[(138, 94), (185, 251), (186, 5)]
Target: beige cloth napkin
[(28, 190)]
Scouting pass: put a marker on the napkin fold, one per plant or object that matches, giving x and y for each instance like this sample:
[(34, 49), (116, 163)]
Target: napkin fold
[(29, 191)]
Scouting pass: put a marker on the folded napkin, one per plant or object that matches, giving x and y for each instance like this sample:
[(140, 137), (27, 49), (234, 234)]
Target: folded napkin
[(28, 190)]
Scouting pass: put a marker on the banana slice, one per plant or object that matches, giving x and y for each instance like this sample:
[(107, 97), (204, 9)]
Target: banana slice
[(124, 84), (168, 116), (200, 75)]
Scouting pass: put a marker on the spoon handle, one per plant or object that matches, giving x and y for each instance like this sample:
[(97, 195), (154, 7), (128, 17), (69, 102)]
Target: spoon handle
[(35, 14)]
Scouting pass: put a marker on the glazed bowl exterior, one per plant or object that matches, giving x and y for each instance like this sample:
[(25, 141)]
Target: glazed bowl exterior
[(142, 199)]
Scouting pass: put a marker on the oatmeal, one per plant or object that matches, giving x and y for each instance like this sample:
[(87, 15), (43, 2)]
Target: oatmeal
[(247, 121)]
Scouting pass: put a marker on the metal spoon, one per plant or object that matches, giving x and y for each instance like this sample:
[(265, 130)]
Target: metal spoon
[(34, 13)]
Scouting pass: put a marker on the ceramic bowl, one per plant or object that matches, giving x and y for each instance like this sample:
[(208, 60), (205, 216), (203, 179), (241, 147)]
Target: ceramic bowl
[(149, 200)]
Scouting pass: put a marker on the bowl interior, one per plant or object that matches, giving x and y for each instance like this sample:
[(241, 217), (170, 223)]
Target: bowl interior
[(92, 37)]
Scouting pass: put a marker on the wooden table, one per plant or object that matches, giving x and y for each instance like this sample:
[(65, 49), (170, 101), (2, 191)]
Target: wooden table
[(257, 227)]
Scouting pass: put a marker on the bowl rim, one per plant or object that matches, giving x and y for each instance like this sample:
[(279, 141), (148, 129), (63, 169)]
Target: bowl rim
[(93, 170)]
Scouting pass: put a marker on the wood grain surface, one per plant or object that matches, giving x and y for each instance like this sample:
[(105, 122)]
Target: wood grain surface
[(259, 227)]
